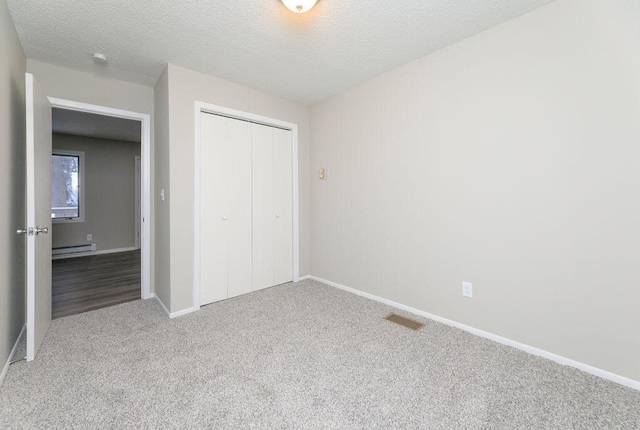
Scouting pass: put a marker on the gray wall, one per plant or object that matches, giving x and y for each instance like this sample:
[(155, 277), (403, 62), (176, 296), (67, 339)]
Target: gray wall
[(185, 87), (109, 177), (12, 191), (162, 180), (510, 160), (85, 87)]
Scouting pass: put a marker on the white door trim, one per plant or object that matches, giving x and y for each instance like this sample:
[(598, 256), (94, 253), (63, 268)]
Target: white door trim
[(244, 116), (138, 199), (145, 120)]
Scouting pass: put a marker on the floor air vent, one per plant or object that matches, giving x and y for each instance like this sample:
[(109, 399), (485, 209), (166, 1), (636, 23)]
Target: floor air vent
[(405, 322)]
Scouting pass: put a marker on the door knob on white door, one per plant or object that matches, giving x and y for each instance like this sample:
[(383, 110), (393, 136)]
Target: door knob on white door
[(43, 230), (30, 231)]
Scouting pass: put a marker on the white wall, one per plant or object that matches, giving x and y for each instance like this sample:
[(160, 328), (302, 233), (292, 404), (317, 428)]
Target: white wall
[(94, 89), (109, 193), (511, 160), (185, 87), (12, 190)]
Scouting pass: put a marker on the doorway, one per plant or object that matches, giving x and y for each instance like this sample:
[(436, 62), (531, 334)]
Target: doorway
[(94, 209), (111, 263), (39, 204)]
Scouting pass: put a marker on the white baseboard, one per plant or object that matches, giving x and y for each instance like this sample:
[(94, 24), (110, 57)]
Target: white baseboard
[(174, 314), (503, 340), (5, 369), (182, 312), (101, 252), (304, 278)]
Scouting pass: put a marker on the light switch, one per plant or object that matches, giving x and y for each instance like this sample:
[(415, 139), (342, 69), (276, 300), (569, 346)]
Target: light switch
[(467, 289), (322, 174)]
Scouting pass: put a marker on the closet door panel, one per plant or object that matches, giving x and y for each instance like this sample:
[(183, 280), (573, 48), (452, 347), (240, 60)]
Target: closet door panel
[(213, 185), (263, 208), (238, 173), (283, 205)]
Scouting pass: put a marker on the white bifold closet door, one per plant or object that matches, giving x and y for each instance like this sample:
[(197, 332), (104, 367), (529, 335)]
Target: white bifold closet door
[(225, 208), (272, 207), (246, 212)]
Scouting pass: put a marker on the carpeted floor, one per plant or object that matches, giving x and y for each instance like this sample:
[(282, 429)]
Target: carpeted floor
[(298, 356)]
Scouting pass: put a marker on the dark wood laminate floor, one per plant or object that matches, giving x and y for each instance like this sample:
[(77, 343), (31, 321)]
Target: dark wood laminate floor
[(87, 283)]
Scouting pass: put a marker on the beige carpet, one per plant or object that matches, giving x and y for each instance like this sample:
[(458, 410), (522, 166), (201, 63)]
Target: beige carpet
[(298, 356)]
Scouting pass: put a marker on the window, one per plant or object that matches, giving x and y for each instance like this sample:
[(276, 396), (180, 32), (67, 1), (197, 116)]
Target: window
[(67, 196)]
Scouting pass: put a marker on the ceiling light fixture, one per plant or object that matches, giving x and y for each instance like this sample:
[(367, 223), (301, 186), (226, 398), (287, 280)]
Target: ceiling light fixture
[(299, 6)]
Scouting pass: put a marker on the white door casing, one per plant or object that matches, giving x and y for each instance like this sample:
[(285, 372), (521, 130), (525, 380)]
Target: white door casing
[(138, 200), (38, 236), (145, 124)]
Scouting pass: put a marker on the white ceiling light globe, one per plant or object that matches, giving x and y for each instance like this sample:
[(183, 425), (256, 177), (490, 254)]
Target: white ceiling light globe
[(299, 6)]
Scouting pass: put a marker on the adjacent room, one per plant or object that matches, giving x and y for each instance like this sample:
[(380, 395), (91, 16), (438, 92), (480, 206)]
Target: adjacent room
[(352, 214), (96, 198)]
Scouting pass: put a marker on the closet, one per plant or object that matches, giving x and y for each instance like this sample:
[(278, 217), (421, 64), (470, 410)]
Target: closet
[(246, 208)]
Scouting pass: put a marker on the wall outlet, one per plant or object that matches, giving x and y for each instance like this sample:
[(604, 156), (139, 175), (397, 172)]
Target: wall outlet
[(467, 289), (89, 237)]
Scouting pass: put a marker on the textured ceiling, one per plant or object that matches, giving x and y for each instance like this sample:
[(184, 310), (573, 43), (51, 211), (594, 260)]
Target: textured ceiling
[(92, 125), (257, 43)]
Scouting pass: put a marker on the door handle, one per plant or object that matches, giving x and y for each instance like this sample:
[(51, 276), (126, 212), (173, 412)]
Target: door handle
[(28, 231), (43, 230)]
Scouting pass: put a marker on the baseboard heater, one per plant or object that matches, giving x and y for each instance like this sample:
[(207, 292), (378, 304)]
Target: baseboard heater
[(65, 250)]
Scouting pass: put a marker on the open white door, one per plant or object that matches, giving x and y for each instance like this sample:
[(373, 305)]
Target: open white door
[(38, 216)]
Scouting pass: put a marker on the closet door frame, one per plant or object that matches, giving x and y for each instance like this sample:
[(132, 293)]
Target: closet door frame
[(202, 107)]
